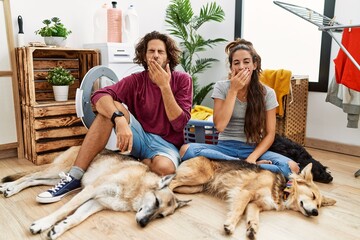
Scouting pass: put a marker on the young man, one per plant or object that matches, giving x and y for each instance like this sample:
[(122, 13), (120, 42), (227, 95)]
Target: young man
[(148, 110)]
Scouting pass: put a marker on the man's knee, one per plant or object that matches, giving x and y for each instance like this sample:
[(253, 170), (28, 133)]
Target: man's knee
[(161, 165)]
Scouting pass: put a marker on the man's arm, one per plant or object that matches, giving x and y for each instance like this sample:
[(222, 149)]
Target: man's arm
[(106, 106), (162, 78)]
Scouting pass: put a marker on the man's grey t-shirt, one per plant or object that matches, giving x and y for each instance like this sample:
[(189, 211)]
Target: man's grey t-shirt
[(235, 128)]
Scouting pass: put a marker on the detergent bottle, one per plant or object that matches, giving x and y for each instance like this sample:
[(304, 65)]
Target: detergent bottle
[(131, 26), (114, 23), (100, 24)]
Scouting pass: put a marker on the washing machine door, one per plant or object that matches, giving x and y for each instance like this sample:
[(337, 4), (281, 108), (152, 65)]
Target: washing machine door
[(97, 77)]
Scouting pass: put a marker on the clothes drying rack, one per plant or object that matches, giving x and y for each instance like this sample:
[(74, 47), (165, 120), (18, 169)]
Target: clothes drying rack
[(324, 24)]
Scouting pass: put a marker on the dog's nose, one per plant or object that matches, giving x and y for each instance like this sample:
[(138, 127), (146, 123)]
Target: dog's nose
[(314, 212), (143, 222), (330, 178)]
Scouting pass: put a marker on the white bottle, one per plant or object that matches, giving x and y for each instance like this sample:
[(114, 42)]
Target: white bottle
[(132, 28), (100, 24)]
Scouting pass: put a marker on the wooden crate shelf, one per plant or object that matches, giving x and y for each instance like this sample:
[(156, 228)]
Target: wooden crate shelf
[(33, 64), (50, 127)]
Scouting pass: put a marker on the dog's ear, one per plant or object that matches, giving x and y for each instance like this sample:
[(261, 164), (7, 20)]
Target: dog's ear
[(325, 201), (165, 181), (306, 173), (181, 203)]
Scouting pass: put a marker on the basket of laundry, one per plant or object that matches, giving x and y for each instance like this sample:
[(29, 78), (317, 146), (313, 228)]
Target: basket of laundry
[(200, 131)]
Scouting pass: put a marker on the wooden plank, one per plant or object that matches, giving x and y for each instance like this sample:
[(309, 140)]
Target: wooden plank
[(330, 146), (19, 54), (32, 134), (26, 128), (8, 146), (29, 78), (60, 121), (51, 63), (57, 144), (40, 52), (56, 133), (46, 158), (45, 111)]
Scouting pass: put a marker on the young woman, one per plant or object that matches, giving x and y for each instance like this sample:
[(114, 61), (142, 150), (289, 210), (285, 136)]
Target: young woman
[(244, 114)]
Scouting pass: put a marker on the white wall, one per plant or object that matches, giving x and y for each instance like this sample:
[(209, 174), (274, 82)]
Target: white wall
[(325, 121), (78, 15)]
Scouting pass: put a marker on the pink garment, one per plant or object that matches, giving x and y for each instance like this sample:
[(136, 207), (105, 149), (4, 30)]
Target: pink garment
[(144, 101), (346, 72)]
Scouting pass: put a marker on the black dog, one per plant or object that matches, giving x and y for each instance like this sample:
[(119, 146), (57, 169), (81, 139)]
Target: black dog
[(296, 152)]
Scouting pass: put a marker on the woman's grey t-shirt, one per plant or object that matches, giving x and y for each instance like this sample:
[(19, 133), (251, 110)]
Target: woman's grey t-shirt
[(235, 128)]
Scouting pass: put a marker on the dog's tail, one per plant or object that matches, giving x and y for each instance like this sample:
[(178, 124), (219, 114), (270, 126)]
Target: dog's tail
[(13, 177), (16, 176)]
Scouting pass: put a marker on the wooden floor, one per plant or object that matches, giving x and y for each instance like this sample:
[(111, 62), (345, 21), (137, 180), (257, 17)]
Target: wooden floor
[(203, 218)]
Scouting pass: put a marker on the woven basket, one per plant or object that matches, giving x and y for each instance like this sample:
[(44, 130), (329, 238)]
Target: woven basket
[(292, 125)]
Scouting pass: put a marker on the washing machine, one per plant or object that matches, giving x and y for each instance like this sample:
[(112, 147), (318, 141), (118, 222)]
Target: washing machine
[(116, 63)]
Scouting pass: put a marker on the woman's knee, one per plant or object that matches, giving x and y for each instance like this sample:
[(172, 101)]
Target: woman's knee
[(183, 149), (294, 167)]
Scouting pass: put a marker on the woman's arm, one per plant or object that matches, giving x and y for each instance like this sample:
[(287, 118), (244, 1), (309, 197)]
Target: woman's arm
[(223, 110), (266, 142)]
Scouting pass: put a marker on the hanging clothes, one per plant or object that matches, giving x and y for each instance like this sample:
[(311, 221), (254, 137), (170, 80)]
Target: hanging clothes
[(346, 72), (347, 99)]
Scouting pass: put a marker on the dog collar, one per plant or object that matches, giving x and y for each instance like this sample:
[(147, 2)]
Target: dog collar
[(287, 190)]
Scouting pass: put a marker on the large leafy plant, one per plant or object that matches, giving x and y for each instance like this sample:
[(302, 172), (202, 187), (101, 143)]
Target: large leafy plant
[(184, 25)]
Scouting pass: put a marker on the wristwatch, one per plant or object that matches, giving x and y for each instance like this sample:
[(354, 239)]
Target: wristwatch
[(115, 115)]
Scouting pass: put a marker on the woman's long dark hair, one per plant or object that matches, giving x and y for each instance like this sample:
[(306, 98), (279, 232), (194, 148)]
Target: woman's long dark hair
[(255, 116), (172, 50)]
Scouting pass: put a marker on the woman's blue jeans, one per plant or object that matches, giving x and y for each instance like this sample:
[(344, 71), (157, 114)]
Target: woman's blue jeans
[(237, 150)]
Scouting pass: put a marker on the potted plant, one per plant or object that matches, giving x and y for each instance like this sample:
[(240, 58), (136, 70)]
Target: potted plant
[(184, 25), (54, 32), (60, 79)]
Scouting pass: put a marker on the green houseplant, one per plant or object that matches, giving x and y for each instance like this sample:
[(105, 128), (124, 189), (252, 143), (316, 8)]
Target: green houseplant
[(60, 79), (184, 24), (54, 32)]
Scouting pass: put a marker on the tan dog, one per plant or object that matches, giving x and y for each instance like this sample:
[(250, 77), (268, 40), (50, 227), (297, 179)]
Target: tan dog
[(248, 188), (112, 181)]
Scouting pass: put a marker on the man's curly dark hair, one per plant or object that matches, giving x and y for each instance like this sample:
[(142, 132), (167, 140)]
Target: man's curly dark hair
[(172, 50)]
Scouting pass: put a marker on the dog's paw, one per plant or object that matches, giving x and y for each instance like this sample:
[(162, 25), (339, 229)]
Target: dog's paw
[(57, 230), (251, 233), (229, 229), (2, 188), (8, 189), (40, 226)]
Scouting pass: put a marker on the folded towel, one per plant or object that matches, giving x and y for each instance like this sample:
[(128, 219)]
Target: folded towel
[(201, 112), (279, 80)]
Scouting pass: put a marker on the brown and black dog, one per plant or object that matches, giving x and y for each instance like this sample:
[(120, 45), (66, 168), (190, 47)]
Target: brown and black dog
[(246, 187)]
